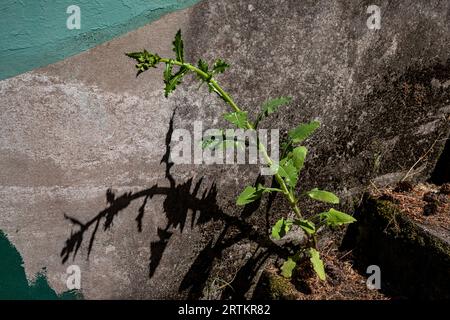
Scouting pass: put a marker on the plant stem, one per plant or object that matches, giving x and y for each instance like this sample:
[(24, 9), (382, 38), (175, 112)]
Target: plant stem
[(229, 100)]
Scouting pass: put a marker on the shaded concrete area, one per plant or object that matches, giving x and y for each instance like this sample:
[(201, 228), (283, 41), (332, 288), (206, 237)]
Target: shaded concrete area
[(74, 129)]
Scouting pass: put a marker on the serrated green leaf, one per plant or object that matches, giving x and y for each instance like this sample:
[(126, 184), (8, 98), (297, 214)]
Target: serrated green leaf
[(145, 60), (230, 143), (306, 225), (210, 143), (288, 171), (219, 144), (286, 147), (303, 131), (275, 167), (202, 65), (246, 196), (298, 157), (288, 267), (323, 196), (168, 72), (317, 263), (178, 47), (239, 119), (270, 107), (284, 161), (174, 80), (220, 66), (281, 228), (336, 218), (249, 195), (134, 55)]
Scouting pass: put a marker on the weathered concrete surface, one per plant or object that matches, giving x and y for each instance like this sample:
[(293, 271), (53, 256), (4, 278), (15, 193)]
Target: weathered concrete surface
[(73, 129)]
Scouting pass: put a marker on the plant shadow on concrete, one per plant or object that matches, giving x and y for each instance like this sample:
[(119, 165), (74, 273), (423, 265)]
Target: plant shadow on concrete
[(180, 201)]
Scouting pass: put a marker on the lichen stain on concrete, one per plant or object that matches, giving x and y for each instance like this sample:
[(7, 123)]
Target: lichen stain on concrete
[(13, 282)]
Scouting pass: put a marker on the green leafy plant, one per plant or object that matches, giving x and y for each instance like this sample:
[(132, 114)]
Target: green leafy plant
[(285, 172)]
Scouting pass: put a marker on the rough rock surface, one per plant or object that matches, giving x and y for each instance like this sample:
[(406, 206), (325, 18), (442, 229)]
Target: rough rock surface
[(74, 129), (413, 258)]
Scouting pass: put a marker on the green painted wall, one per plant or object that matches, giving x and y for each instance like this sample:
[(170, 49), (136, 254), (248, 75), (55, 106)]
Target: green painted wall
[(33, 33), (13, 282)]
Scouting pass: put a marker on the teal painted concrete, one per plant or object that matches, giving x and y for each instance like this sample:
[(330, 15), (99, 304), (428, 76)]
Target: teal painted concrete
[(33, 33), (14, 284)]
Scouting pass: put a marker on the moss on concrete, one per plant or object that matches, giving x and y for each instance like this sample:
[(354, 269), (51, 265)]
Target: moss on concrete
[(274, 287), (413, 262)]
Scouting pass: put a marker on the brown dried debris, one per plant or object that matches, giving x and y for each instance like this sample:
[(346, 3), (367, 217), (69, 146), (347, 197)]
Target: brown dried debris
[(425, 203), (343, 281), (445, 189), (404, 186)]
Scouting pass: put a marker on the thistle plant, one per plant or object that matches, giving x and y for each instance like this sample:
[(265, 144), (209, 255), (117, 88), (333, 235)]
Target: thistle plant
[(285, 172)]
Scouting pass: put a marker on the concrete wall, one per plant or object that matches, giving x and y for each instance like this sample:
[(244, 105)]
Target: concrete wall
[(74, 129)]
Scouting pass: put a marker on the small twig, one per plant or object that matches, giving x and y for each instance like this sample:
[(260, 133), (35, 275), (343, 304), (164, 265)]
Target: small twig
[(346, 254), (375, 186), (225, 283), (420, 159)]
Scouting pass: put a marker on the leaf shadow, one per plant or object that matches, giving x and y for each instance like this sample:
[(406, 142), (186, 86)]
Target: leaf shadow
[(179, 202)]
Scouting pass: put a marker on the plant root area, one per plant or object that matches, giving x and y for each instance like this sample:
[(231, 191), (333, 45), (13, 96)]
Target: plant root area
[(343, 281), (425, 203)]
